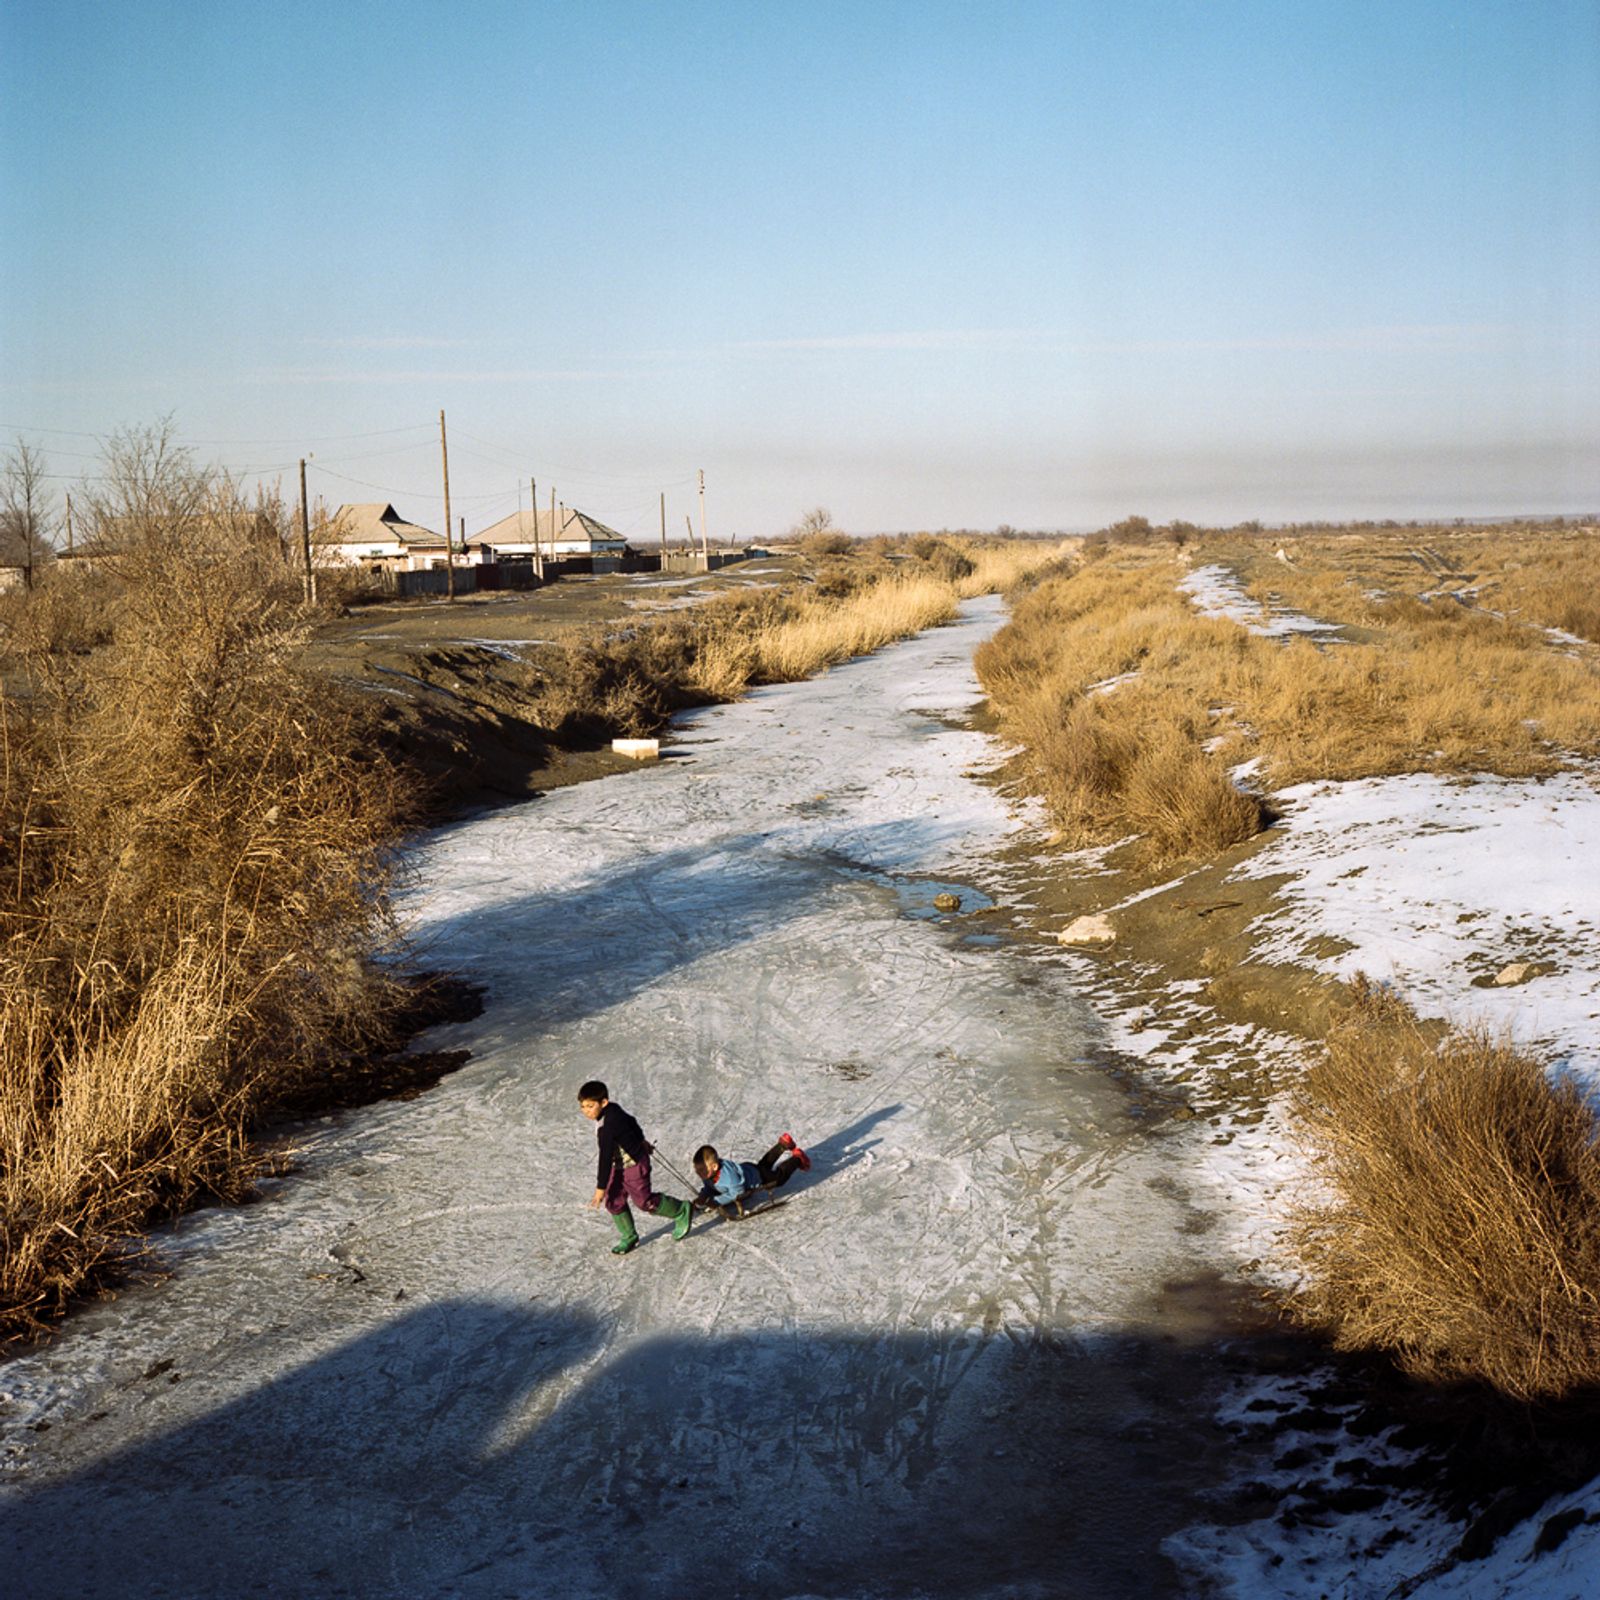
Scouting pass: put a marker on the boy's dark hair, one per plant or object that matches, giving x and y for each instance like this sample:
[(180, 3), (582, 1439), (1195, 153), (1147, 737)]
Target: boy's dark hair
[(593, 1090), (704, 1157)]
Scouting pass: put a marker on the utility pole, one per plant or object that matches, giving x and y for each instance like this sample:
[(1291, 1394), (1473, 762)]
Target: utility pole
[(552, 522), (705, 549), (69, 522), (533, 506), (308, 578), (449, 551), (663, 527)]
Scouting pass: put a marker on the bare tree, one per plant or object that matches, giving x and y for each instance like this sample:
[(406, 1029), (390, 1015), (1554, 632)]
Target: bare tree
[(818, 520), (155, 508), (24, 510), (147, 479)]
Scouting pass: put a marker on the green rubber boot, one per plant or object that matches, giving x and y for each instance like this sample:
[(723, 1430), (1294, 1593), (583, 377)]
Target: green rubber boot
[(680, 1213), (630, 1234)]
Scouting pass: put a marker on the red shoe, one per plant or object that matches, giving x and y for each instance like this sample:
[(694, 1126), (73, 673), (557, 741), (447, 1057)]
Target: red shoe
[(787, 1141)]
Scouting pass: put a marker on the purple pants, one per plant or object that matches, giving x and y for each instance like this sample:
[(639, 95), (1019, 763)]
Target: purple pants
[(631, 1183)]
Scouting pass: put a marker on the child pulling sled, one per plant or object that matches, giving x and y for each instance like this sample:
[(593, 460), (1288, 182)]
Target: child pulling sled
[(624, 1170)]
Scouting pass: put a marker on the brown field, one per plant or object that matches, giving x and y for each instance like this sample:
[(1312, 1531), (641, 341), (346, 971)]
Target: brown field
[(1414, 680)]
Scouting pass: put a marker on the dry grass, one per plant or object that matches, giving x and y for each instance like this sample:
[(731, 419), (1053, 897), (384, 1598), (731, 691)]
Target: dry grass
[(1414, 686), (1458, 1224), (193, 844), (821, 634), (1000, 565), (1551, 580), (1116, 758)]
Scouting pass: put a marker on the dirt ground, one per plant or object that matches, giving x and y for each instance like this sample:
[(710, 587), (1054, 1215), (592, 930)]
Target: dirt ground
[(456, 676)]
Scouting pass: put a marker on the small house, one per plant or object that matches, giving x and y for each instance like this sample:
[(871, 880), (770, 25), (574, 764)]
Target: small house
[(529, 533), (375, 536)]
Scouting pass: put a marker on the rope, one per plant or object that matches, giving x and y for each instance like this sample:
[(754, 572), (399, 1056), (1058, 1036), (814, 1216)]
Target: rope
[(693, 1188)]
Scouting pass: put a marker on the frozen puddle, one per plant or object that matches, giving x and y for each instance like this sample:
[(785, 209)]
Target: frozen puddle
[(1216, 592), (943, 1367)]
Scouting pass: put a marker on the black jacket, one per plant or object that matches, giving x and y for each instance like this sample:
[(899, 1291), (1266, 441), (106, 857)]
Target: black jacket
[(619, 1135)]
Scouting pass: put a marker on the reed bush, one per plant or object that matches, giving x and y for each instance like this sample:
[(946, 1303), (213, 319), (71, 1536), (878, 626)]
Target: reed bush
[(1456, 1222), (818, 636), (193, 854), (1422, 686)]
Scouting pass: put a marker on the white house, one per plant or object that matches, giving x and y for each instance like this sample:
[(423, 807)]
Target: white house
[(527, 533), (374, 535)]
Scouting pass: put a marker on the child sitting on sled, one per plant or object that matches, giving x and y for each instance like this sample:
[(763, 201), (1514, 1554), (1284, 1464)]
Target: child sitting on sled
[(725, 1184)]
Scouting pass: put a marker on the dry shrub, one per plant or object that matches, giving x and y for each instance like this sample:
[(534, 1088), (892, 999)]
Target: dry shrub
[(825, 542), (724, 663), (1182, 801), (1435, 686), (1458, 1226), (1080, 759), (944, 558), (193, 853), (1001, 566), (818, 635), (1105, 774)]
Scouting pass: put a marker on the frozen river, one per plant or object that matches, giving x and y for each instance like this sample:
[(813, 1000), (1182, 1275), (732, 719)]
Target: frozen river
[(946, 1366)]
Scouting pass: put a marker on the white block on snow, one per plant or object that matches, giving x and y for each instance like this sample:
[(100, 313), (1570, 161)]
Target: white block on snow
[(639, 749)]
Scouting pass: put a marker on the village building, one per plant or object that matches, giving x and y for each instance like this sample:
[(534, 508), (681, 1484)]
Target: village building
[(528, 533), (375, 536)]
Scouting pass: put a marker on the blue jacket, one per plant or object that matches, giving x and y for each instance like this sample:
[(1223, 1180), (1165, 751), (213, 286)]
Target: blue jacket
[(736, 1178)]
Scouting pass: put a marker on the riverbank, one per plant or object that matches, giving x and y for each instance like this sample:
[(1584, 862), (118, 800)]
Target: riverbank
[(1466, 888)]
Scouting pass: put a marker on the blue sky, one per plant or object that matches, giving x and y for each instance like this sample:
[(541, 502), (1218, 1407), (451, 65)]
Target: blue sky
[(929, 265)]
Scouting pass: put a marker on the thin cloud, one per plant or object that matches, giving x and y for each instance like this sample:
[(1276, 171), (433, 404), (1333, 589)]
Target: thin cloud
[(297, 375), (1443, 336), (1436, 337), (927, 339), (387, 341)]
